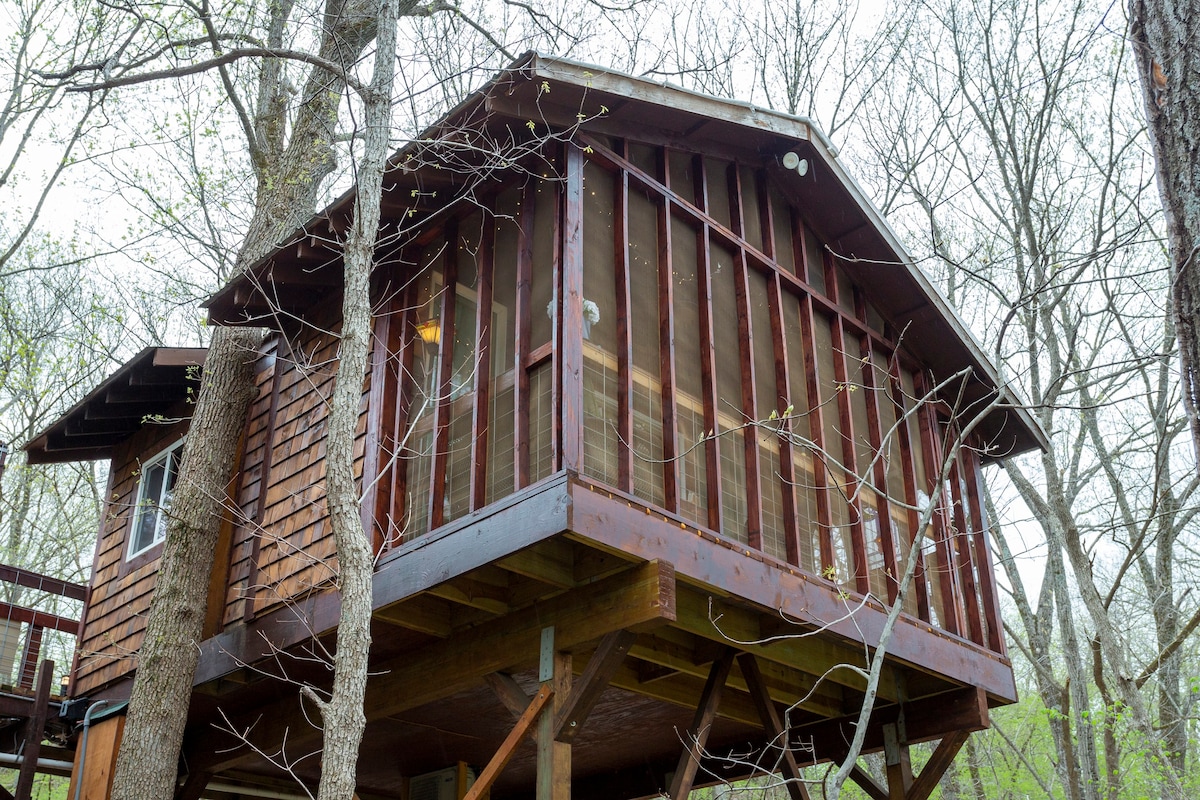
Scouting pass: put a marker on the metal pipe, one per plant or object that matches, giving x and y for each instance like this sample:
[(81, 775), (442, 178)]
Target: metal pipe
[(82, 753), (43, 764)]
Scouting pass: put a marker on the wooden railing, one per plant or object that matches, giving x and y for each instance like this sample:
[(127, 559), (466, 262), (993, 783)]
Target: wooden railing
[(24, 638)]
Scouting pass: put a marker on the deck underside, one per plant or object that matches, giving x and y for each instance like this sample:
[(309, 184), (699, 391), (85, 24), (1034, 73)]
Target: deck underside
[(645, 612)]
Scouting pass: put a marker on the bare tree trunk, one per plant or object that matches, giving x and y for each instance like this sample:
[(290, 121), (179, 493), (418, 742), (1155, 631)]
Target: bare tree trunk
[(1165, 35), (343, 714), (148, 760), (288, 183)]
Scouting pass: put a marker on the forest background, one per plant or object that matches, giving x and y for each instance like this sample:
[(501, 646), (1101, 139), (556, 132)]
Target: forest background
[(1006, 141)]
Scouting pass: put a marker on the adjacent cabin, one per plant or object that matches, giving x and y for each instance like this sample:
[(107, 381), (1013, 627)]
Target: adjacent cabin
[(657, 413)]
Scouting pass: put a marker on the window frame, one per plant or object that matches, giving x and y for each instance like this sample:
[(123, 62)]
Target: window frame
[(143, 505)]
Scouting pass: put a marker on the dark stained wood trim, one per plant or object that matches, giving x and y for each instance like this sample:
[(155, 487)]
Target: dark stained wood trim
[(522, 429), (666, 352), (43, 583), (37, 619), (621, 284), (381, 433), (816, 431), (708, 377), (966, 558), (883, 506), (708, 560), (907, 464), (557, 323), (681, 203), (572, 313), (697, 736), (484, 269), (381, 411), (783, 388), (841, 376), (441, 425), (950, 614), (749, 404), (766, 216), (403, 341), (983, 551)]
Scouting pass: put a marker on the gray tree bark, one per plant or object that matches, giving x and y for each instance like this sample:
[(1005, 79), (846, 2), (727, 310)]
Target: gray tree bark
[(342, 714), (1165, 35), (288, 181)]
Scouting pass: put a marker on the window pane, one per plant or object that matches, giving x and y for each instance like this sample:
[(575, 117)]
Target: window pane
[(644, 331)]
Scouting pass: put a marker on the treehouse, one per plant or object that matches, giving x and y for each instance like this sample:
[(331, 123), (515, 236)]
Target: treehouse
[(660, 421)]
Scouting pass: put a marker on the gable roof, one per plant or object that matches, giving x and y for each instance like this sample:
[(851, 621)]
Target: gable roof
[(537, 91)]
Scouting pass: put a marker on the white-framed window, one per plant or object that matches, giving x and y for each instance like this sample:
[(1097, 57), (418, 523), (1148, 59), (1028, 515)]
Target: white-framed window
[(155, 486)]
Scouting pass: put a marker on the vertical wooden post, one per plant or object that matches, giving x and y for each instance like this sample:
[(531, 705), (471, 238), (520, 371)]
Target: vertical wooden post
[(571, 319), (445, 378), (841, 376), (983, 549), (966, 560), (907, 463), (708, 377), (899, 764), (522, 427), (484, 265), (553, 756), (34, 730), (883, 505), (621, 276), (783, 384), (666, 352)]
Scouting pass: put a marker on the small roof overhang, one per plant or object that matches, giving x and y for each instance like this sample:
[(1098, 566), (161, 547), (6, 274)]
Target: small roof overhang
[(543, 91), (150, 383)]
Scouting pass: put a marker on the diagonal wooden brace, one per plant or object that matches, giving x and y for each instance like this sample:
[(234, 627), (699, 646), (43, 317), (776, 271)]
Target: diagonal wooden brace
[(591, 684), (706, 714), (509, 746), (773, 724)]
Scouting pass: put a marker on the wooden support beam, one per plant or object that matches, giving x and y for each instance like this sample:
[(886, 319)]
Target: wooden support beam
[(423, 613), (508, 691), (603, 663), (697, 735), (35, 729), (553, 757), (639, 596), (571, 319), (193, 786), (924, 719), (509, 746), (937, 765), (867, 783), (776, 734), (897, 758), (551, 562)]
